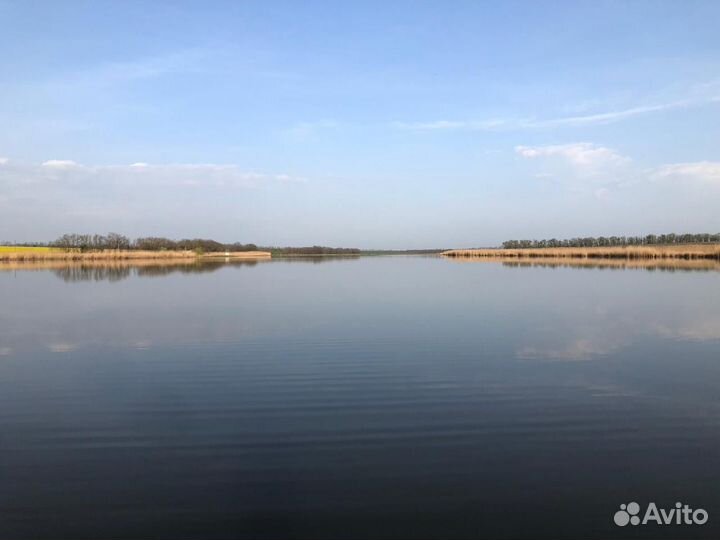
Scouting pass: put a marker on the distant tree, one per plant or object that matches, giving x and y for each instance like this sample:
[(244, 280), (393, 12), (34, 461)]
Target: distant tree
[(116, 241), (200, 245), (314, 250), (237, 246), (154, 243), (648, 240)]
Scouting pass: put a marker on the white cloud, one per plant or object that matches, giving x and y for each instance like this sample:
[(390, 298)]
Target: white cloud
[(588, 157), (59, 163), (449, 125), (61, 195), (582, 167), (3, 160), (702, 171), (601, 172), (76, 176), (580, 154), (187, 174)]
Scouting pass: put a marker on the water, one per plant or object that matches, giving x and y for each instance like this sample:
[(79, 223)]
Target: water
[(380, 397)]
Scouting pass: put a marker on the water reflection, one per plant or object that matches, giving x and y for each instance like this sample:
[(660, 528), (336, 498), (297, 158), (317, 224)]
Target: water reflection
[(375, 397), (120, 270), (552, 316), (93, 273), (650, 265), (316, 259)]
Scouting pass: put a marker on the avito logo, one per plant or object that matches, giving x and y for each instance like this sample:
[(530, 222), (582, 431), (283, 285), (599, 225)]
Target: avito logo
[(680, 515)]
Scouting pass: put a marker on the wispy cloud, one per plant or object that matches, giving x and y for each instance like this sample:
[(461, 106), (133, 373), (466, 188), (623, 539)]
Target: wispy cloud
[(59, 172), (582, 154), (63, 189), (149, 67), (613, 116), (581, 167), (702, 171), (700, 95), (448, 125), (59, 163), (303, 131), (67, 98), (601, 170)]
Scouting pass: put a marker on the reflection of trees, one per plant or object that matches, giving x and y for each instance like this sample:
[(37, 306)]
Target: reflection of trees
[(92, 273), (70, 271), (191, 268), (315, 259), (647, 265), (118, 272), (650, 265)]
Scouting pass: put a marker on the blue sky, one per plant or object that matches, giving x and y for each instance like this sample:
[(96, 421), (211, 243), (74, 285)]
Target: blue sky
[(369, 124)]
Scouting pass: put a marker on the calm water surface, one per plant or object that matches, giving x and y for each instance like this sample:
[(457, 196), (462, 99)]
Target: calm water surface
[(386, 397)]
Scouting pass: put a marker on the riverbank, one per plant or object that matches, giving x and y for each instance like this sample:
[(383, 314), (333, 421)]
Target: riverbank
[(45, 254), (685, 251)]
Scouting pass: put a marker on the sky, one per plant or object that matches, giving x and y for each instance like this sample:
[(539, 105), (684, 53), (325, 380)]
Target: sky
[(368, 124)]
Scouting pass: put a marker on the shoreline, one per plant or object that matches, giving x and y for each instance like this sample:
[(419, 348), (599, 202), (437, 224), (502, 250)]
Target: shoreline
[(678, 252), (126, 255)]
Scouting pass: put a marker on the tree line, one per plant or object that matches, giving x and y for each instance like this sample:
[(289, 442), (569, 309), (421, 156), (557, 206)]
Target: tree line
[(115, 241), (98, 242), (313, 250), (608, 241)]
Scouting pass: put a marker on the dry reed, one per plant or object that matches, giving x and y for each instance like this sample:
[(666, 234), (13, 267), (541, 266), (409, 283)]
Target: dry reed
[(686, 252), (119, 255)]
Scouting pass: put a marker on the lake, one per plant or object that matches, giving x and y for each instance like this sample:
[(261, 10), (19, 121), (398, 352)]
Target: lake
[(375, 397)]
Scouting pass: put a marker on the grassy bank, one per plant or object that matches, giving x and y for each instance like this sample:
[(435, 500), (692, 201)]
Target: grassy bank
[(686, 251), (15, 254)]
